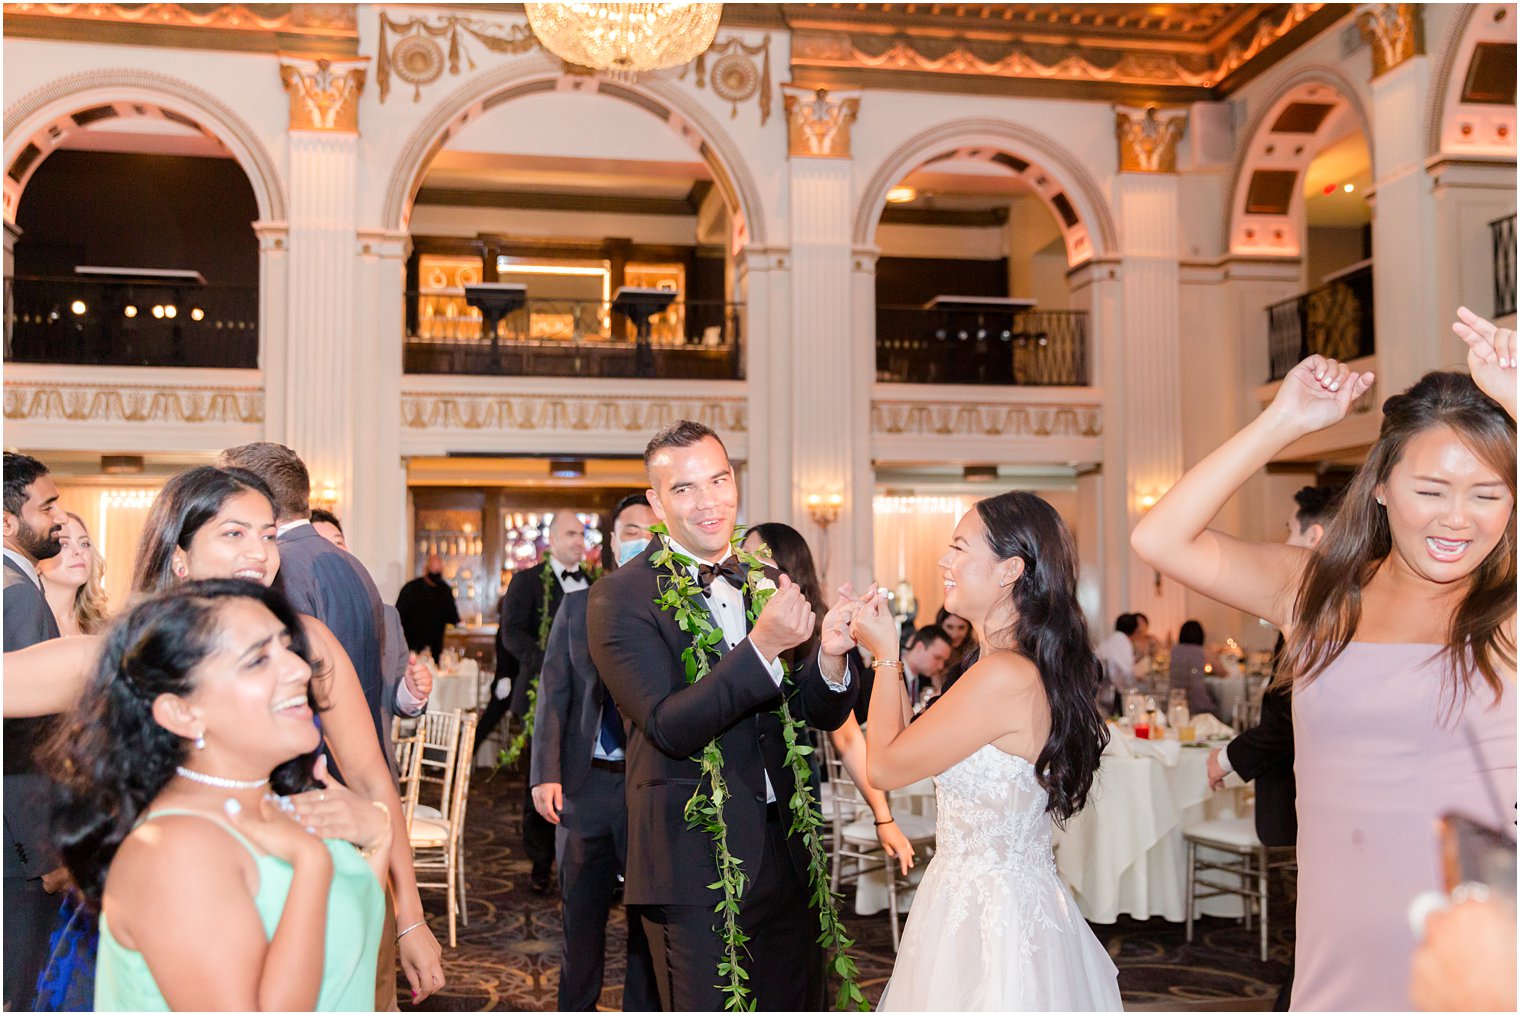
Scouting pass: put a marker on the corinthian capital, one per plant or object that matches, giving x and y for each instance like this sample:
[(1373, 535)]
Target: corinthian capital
[(1148, 138), (1395, 32), (818, 121), (323, 95)]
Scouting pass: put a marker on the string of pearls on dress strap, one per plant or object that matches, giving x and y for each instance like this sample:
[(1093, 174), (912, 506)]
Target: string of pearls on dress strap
[(218, 781)]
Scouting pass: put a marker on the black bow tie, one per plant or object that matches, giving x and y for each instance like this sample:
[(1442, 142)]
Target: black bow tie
[(580, 573), (728, 571)]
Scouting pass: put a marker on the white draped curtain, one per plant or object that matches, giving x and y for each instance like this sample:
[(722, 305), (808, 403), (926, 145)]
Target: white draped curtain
[(912, 534), (115, 517)]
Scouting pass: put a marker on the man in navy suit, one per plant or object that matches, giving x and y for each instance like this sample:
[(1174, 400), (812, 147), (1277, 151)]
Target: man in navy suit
[(317, 577), (33, 520), (577, 780)]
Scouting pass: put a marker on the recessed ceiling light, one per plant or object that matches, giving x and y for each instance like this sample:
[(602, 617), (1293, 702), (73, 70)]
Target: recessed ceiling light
[(1348, 188), (901, 195)]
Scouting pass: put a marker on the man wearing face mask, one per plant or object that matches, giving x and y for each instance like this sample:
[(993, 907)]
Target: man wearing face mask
[(427, 607), (577, 780)]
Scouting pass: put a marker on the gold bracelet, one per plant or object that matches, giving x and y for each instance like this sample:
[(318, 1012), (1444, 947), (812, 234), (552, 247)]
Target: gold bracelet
[(372, 849), (895, 664)]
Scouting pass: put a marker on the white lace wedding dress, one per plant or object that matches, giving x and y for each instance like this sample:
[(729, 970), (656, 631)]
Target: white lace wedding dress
[(992, 926)]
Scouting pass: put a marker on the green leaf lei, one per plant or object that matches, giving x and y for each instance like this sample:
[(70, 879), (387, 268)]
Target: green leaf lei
[(513, 750), (679, 591)]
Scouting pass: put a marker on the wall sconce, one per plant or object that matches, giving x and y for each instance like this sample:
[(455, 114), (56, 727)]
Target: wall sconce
[(824, 510), (325, 498)]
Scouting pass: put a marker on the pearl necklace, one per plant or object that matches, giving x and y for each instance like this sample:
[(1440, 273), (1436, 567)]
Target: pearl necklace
[(218, 781)]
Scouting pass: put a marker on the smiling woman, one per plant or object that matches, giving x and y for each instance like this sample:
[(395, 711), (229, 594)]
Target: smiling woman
[(1400, 644)]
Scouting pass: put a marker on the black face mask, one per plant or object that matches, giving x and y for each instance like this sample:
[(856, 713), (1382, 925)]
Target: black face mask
[(436, 576)]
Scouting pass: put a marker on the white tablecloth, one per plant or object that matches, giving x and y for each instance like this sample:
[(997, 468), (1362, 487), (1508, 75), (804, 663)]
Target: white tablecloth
[(458, 688), (1123, 852)]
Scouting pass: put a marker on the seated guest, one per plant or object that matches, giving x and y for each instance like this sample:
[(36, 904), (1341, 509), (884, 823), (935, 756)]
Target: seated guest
[(1189, 658), (1117, 654), (211, 896)]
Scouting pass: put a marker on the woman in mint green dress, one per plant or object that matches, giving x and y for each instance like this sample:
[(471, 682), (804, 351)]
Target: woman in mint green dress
[(170, 811)]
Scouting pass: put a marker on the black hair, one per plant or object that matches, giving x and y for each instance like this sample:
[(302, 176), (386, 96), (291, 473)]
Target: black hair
[(608, 558), (939, 622), (324, 515), (1316, 505), (928, 635), (21, 471), (1140, 618), (683, 433), (1127, 624), (110, 759), (1050, 629), (1191, 633), (794, 558), (187, 502)]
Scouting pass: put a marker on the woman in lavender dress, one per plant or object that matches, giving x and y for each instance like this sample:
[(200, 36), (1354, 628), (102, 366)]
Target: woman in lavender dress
[(1400, 644)]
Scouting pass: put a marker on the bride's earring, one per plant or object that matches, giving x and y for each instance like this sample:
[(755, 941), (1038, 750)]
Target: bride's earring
[(200, 741)]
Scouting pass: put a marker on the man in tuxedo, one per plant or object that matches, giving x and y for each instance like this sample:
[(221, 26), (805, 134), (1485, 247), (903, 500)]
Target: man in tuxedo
[(520, 656), (577, 780), (636, 647), (317, 577), (926, 659), (33, 521), (1264, 753)]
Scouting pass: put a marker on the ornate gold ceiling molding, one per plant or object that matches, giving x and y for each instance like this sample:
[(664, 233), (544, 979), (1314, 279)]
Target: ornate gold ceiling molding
[(418, 57), (1040, 54), (295, 28)]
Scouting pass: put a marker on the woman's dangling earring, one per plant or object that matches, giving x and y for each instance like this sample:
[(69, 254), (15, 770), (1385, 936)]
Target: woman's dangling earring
[(200, 742)]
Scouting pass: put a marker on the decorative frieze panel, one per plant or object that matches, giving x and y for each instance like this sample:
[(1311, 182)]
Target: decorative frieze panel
[(530, 415), (925, 423), (1394, 32), (324, 96), (139, 409), (818, 121), (1148, 138)]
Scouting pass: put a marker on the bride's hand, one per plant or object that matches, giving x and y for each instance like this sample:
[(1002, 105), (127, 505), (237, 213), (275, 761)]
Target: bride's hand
[(1491, 356), (1318, 393), (874, 628)]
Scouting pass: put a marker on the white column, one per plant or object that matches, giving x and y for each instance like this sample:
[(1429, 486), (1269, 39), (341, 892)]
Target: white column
[(760, 284), (1149, 364), (376, 517), (322, 348), (274, 316), (1468, 195), (1096, 287), (1408, 322), (863, 375), (830, 397)]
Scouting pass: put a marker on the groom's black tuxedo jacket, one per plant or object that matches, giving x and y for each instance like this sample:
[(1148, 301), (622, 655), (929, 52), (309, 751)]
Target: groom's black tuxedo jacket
[(637, 650)]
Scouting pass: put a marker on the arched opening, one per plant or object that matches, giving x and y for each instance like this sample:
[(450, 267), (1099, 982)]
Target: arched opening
[(513, 183), (974, 245), (1301, 191), (136, 242), (623, 264)]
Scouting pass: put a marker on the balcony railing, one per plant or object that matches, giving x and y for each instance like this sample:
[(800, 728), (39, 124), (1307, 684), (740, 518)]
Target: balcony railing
[(83, 321), (915, 345), (1334, 320), (573, 338), (1503, 232)]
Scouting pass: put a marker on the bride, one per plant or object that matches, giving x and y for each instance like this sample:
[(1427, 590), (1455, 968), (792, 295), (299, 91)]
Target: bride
[(1014, 743)]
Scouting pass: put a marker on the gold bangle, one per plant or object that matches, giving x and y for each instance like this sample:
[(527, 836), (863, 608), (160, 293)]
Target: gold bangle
[(888, 663)]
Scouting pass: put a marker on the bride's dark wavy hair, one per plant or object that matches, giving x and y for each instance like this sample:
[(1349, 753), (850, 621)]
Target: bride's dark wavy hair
[(110, 758), (1051, 630)]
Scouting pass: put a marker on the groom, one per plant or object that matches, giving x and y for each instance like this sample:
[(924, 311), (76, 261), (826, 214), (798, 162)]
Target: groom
[(637, 649)]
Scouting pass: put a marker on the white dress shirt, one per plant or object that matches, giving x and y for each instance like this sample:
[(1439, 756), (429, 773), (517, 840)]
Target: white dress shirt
[(727, 605), (1117, 654), (573, 584)]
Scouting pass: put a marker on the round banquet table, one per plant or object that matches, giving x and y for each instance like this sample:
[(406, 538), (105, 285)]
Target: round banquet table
[(1124, 852), (457, 688)]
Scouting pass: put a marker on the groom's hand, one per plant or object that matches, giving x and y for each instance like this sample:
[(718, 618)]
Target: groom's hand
[(838, 639), (785, 622)]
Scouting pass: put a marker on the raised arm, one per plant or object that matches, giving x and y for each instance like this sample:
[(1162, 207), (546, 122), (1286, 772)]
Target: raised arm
[(649, 687), (350, 732), (1257, 578), (48, 677), (1491, 356)]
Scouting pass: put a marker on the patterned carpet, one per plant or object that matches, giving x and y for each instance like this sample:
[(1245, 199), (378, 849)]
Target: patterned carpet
[(508, 957)]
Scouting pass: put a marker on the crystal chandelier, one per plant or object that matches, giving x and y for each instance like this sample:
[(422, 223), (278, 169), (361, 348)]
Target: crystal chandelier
[(624, 38)]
